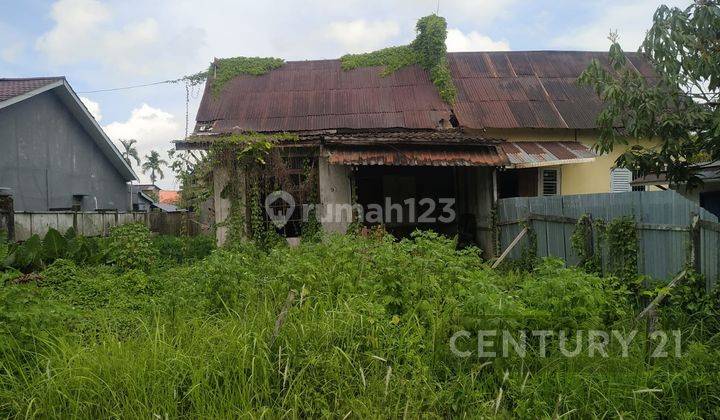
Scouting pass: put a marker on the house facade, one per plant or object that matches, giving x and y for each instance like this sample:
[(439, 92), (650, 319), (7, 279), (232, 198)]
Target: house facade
[(520, 126), (53, 154)]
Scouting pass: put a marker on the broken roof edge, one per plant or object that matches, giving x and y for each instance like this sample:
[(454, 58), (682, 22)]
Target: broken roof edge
[(446, 137)]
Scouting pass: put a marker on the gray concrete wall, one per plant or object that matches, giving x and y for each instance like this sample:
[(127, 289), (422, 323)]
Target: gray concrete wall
[(335, 190), (46, 157), (222, 204), (99, 224)]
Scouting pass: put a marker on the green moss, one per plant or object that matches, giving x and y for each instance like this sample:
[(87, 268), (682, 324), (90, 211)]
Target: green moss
[(225, 69), (427, 50)]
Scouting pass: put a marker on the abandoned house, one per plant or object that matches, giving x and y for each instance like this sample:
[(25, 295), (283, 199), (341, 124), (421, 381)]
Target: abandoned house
[(520, 126), (53, 154)]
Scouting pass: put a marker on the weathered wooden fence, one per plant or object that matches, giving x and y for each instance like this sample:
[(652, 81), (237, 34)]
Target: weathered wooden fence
[(664, 220), (27, 224)]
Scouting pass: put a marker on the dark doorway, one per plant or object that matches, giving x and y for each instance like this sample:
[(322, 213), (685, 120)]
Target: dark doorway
[(411, 197), (517, 183), (710, 201)]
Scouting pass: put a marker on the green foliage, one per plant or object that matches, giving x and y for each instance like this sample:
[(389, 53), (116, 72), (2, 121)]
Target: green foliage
[(679, 107), (622, 247), (57, 274), (130, 247), (427, 50), (54, 245), (226, 69), (153, 164), (183, 249), (586, 244), (368, 334), (392, 58)]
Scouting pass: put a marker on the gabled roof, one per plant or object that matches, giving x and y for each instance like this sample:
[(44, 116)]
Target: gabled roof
[(535, 89), (13, 91), (14, 88)]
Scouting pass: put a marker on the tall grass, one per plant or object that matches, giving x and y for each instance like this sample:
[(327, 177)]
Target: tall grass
[(368, 336)]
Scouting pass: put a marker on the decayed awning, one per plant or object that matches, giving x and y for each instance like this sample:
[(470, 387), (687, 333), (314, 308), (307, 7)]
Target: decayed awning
[(507, 154), (417, 156), (530, 154)]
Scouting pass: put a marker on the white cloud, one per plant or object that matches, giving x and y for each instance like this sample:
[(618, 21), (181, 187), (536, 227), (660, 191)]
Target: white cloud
[(361, 36), (87, 30), (473, 41), (629, 19), (11, 52), (153, 128), (93, 107)]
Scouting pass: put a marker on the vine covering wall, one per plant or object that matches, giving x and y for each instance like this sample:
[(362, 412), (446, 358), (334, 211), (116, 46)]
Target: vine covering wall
[(256, 167)]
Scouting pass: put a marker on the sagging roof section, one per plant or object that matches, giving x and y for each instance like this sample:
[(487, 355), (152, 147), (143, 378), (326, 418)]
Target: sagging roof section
[(495, 90), (416, 156)]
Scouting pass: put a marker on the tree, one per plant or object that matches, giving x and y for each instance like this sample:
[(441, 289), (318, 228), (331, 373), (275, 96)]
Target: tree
[(129, 151), (153, 164), (679, 106)]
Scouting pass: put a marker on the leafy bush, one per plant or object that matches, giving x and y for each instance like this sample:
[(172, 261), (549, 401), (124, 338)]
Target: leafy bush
[(367, 334), (130, 246), (179, 249)]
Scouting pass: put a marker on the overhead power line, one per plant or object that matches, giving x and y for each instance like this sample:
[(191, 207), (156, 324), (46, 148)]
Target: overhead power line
[(127, 87)]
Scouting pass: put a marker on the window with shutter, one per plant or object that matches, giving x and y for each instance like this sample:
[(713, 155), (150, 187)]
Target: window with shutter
[(549, 181), (620, 179)]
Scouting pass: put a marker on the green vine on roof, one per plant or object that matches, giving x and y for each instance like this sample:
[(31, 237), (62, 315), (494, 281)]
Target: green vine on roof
[(427, 50), (224, 70)]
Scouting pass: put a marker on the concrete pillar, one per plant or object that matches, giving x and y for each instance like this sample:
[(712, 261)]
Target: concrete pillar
[(335, 196), (221, 177)]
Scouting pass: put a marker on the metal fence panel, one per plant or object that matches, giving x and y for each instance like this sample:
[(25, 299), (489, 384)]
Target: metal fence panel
[(664, 219)]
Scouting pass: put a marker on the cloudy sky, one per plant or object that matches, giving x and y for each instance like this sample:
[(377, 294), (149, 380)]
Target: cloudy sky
[(101, 44)]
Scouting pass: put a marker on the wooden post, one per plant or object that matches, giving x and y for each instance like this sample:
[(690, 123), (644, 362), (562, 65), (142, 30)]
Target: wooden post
[(659, 298), (510, 247), (695, 241), (6, 207)]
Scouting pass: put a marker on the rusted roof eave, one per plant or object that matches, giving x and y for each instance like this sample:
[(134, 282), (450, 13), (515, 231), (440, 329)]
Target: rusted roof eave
[(548, 163)]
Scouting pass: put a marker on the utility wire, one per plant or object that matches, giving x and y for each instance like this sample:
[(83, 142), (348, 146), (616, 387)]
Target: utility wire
[(128, 87)]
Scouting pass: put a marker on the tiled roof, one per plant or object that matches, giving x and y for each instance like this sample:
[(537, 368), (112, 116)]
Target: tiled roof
[(10, 88), (495, 90)]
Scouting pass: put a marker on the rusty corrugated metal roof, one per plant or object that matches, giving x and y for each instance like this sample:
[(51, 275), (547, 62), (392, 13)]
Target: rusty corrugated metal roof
[(514, 89), (526, 154), (417, 156)]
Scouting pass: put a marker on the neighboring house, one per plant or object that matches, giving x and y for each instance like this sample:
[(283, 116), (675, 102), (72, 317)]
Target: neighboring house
[(151, 190), (53, 154), (521, 126), (706, 195), (143, 199)]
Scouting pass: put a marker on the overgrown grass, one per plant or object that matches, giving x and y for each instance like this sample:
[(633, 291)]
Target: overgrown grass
[(367, 336)]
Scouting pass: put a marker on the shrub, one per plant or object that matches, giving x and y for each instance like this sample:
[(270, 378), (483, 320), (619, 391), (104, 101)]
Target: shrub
[(130, 246)]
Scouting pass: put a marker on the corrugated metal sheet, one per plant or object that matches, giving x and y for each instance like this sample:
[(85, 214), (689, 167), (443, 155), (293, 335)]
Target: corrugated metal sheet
[(417, 156), (495, 90), (523, 154)]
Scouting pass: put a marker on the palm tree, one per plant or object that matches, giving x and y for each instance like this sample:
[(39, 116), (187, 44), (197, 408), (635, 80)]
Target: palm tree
[(153, 164), (130, 151)]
